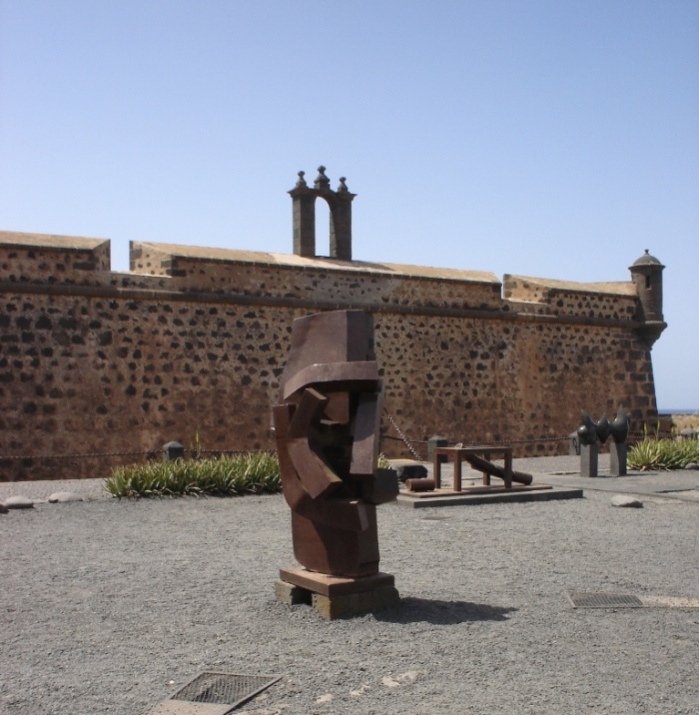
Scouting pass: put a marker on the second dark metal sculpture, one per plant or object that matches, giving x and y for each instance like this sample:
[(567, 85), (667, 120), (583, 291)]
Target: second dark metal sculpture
[(591, 432)]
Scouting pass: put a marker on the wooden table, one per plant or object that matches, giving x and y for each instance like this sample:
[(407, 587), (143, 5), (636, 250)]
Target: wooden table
[(458, 454)]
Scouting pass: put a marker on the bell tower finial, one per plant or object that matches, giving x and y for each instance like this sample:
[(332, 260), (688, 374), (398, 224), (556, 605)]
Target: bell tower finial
[(322, 182)]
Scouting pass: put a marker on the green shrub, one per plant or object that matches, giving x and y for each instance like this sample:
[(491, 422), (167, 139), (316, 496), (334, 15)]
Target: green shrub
[(251, 473), (659, 454)]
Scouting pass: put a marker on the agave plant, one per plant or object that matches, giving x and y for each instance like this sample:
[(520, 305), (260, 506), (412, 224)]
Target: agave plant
[(661, 454), (250, 473)]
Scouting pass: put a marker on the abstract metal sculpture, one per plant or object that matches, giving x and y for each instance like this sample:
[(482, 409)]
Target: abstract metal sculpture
[(591, 432), (326, 430)]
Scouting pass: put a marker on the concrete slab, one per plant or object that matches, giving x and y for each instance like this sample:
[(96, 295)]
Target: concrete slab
[(497, 497), (564, 472)]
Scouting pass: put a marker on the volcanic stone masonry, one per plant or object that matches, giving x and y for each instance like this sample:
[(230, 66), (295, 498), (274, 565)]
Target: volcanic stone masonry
[(190, 344)]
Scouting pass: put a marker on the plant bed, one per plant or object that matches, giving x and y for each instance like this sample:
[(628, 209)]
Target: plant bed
[(249, 473), (662, 454)]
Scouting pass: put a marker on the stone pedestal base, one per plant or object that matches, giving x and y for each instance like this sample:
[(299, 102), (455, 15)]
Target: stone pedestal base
[(588, 460), (334, 597), (617, 459)]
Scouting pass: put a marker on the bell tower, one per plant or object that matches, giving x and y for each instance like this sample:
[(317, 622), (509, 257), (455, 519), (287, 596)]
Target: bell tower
[(340, 203)]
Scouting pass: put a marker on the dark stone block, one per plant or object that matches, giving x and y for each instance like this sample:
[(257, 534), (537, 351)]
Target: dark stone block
[(412, 470), (617, 459), (173, 450), (588, 460), (434, 442)]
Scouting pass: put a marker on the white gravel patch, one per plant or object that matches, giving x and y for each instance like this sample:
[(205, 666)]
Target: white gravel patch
[(108, 604)]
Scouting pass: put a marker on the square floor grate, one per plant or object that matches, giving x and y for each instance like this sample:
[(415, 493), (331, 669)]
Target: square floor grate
[(582, 599), (214, 694), (588, 599)]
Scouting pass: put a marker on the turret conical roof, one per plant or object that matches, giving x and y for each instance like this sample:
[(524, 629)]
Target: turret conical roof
[(647, 260)]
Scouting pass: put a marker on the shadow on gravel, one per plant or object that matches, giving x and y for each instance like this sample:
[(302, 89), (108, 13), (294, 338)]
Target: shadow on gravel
[(441, 613)]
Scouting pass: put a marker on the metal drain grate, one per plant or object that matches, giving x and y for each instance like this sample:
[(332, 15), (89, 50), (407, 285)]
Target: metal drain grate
[(581, 599), (587, 599), (214, 694)]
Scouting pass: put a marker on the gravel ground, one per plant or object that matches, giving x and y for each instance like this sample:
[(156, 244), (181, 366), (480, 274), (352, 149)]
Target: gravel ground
[(107, 605)]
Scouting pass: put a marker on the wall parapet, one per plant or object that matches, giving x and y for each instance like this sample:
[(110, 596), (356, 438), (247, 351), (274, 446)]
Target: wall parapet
[(28, 257), (611, 300), (77, 266), (296, 281)]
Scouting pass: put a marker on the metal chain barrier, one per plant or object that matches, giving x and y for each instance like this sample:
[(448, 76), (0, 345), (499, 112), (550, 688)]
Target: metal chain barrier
[(409, 444), (402, 436), (90, 455), (632, 436), (102, 455)]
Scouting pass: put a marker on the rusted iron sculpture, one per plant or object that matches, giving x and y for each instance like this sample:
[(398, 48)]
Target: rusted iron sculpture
[(487, 467), (326, 431), (479, 458), (593, 434)]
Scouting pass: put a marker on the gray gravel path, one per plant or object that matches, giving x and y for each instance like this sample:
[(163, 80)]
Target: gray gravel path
[(107, 605)]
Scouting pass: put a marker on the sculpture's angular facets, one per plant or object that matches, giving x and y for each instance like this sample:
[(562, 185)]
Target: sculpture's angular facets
[(326, 431)]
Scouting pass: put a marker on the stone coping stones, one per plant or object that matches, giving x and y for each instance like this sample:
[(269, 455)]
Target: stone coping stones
[(623, 500), (64, 497), (19, 502)]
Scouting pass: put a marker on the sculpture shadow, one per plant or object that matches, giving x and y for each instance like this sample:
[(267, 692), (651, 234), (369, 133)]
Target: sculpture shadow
[(441, 613)]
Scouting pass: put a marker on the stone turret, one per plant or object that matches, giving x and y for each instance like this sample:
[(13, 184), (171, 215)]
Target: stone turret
[(647, 275)]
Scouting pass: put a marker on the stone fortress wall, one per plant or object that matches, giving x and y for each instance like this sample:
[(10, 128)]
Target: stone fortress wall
[(190, 343)]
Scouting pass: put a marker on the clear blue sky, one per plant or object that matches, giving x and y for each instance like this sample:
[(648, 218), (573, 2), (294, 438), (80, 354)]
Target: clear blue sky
[(553, 138)]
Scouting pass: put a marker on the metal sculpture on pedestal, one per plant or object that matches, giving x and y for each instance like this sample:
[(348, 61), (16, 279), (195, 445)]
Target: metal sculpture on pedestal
[(327, 430), (593, 434)]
